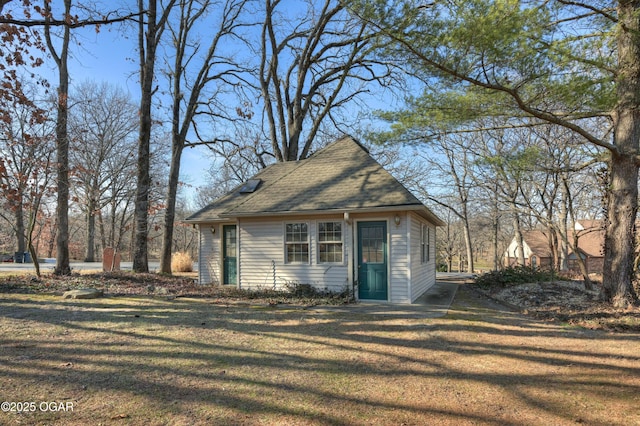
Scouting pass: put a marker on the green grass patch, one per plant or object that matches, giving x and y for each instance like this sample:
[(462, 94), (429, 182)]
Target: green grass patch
[(513, 276)]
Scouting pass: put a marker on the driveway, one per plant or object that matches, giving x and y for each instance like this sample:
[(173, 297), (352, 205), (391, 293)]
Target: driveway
[(48, 265)]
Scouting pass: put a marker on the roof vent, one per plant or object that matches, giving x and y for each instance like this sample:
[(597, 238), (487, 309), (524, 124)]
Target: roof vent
[(250, 186)]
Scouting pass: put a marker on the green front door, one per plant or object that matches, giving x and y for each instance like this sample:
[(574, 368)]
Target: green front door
[(372, 260), (229, 259)]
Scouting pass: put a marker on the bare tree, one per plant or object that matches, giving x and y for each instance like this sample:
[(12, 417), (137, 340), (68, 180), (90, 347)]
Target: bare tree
[(59, 51), (448, 241), (101, 126), (115, 219), (26, 147), (198, 81), (504, 159), (561, 175), (310, 68), (458, 168), (150, 30)]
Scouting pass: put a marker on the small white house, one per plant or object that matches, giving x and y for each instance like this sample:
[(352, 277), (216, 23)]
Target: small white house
[(336, 220)]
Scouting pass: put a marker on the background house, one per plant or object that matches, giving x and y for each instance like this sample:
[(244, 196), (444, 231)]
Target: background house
[(537, 252), (336, 221), (591, 244)]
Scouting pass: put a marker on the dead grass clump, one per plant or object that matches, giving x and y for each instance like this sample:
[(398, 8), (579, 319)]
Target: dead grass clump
[(181, 262)]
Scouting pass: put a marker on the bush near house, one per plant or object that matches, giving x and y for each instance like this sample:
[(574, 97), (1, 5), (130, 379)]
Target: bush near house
[(123, 283), (181, 262), (514, 275)]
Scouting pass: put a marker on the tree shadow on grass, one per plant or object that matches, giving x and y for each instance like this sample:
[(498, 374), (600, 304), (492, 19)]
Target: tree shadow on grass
[(196, 362)]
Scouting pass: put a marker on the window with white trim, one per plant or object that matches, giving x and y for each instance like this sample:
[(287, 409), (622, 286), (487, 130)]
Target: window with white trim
[(296, 242), (425, 243), (330, 242)]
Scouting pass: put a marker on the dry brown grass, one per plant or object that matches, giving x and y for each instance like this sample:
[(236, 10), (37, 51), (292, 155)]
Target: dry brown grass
[(181, 262), (156, 361)]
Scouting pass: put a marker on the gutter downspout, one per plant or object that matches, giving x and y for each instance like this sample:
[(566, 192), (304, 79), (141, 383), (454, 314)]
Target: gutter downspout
[(350, 253)]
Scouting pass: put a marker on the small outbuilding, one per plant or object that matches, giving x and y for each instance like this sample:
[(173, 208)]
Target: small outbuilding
[(336, 221)]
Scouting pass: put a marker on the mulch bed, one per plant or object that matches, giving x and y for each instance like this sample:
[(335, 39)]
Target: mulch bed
[(566, 302), (160, 285)]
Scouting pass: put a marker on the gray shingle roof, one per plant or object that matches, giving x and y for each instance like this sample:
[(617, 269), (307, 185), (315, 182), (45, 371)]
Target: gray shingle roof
[(340, 177)]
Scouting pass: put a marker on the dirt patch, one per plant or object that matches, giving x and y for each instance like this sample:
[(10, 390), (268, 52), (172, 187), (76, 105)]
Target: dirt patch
[(566, 302)]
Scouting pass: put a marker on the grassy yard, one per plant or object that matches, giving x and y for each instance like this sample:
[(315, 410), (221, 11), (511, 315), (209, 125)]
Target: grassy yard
[(200, 361)]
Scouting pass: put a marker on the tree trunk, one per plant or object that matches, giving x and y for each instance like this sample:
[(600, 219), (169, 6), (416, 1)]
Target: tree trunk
[(467, 243), (141, 214), (19, 217), (103, 235), (112, 225), (564, 236), (122, 229), (62, 144), (581, 264), (147, 46), (91, 232), (52, 239), (619, 248), (449, 256), (519, 240), (62, 148), (623, 185), (31, 226), (553, 248), (495, 228), (170, 212)]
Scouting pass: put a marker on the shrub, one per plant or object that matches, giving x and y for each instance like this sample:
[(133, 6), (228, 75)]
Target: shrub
[(442, 267), (304, 290), (181, 262), (312, 294), (513, 276)]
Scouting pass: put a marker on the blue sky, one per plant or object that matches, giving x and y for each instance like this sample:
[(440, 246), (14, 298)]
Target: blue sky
[(109, 56)]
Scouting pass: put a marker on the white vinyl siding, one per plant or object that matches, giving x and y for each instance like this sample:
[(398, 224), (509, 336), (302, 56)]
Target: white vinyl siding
[(263, 258), (399, 277), (423, 274), (209, 266)]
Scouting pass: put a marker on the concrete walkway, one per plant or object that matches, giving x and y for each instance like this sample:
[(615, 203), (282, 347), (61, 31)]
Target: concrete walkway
[(434, 303), (439, 296)]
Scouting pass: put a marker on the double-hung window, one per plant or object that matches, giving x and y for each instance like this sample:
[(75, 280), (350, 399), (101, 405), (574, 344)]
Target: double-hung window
[(330, 242), (425, 244), (296, 242)]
